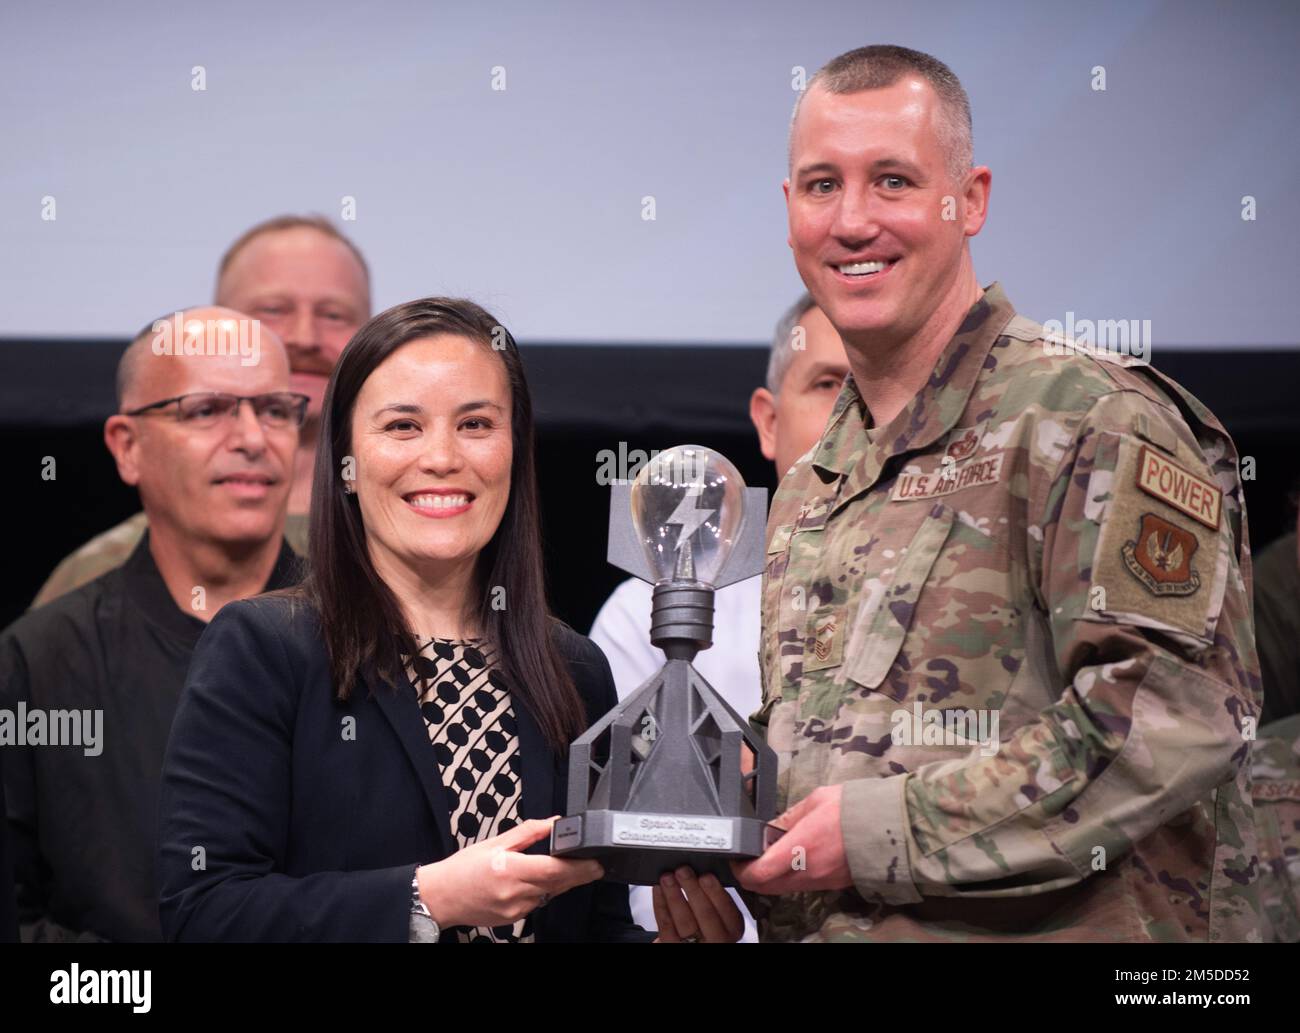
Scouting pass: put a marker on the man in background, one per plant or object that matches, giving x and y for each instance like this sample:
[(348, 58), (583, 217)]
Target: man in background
[(90, 682), (308, 284)]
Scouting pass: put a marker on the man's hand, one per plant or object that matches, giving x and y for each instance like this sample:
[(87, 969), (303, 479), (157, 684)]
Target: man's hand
[(810, 856), (695, 910)]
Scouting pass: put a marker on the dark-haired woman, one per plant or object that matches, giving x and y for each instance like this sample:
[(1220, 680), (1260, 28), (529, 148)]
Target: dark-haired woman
[(378, 755)]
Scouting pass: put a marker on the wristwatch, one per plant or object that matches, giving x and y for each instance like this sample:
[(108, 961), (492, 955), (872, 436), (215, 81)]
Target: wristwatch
[(423, 928)]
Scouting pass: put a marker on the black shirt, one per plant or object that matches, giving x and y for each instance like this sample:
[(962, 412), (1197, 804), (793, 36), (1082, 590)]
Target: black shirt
[(8, 916), (83, 819)]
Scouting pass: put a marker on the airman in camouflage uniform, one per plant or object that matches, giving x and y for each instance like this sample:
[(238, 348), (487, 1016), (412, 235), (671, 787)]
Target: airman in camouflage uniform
[(1054, 543), (1276, 790)]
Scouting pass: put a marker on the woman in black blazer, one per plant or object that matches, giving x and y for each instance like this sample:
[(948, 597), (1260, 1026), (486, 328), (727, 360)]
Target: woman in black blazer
[(378, 755)]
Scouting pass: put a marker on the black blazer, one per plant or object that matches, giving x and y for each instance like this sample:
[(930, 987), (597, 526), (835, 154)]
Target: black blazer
[(286, 815)]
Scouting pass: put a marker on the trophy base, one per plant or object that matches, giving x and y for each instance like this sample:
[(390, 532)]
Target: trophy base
[(637, 848)]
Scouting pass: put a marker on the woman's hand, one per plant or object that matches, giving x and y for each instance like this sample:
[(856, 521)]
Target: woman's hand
[(692, 910), (493, 883)]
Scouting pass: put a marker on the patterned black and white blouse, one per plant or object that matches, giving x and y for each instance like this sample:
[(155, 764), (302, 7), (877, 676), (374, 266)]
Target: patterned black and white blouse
[(467, 711)]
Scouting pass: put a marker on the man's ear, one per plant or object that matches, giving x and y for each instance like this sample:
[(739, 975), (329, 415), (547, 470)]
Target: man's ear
[(762, 410), (977, 199), (122, 439)]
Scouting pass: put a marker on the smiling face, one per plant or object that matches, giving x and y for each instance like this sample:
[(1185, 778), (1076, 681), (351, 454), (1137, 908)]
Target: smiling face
[(310, 289), (226, 483), (866, 205), (431, 434)]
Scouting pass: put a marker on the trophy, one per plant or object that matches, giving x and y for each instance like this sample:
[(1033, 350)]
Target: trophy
[(658, 782)]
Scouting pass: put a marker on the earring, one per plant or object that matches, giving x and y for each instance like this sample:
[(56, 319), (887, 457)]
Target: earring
[(348, 489)]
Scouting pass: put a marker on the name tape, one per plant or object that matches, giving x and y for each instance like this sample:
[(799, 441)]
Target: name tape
[(1170, 483), (948, 478)]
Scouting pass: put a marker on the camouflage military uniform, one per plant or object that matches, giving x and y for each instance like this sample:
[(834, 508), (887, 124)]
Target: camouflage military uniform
[(1276, 790), (109, 550), (1054, 542)]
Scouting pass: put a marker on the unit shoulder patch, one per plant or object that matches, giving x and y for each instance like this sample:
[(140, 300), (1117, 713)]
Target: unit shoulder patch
[(1161, 557), (1153, 564)]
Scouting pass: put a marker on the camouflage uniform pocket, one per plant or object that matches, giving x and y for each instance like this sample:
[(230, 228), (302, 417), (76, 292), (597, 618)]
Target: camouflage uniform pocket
[(886, 610)]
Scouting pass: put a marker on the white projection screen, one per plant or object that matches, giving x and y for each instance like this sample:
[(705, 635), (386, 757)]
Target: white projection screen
[(506, 152)]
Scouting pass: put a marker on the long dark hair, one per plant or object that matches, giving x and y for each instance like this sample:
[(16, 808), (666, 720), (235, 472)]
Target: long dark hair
[(360, 617)]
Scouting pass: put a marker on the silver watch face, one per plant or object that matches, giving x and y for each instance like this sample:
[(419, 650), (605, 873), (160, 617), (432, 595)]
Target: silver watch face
[(423, 928)]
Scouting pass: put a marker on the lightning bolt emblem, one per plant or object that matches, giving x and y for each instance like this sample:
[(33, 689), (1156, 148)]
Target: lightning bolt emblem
[(688, 516), (690, 519)]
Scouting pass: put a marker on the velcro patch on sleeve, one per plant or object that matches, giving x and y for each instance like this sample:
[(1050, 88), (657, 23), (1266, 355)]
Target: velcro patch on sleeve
[(1153, 566), (1162, 478)]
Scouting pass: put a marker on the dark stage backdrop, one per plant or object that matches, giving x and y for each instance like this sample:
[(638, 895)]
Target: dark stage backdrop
[(55, 394)]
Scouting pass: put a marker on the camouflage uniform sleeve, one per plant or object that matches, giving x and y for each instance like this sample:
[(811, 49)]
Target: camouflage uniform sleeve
[(1153, 693), (98, 556)]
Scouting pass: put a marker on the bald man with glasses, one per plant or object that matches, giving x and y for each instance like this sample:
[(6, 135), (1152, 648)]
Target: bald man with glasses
[(303, 279), (89, 683)]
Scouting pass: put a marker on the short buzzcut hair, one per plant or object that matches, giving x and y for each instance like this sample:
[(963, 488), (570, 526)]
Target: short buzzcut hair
[(879, 66), (782, 353), (290, 222)]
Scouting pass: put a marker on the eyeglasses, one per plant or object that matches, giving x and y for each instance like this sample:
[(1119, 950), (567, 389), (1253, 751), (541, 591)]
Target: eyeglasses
[(206, 409)]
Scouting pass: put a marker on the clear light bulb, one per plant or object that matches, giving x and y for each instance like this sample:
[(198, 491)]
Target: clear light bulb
[(687, 505)]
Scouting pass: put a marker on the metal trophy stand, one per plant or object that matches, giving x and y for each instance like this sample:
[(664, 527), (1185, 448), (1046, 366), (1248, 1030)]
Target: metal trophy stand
[(657, 782)]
